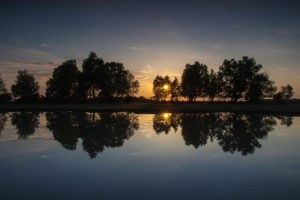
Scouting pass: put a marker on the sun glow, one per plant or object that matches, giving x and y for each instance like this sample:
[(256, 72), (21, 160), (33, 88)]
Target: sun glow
[(166, 87), (166, 115)]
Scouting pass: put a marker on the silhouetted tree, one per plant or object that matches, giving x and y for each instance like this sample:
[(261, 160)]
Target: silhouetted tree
[(161, 87), (92, 78), (195, 80), (132, 86), (283, 95), (116, 82), (260, 87), (213, 85), (5, 97), (236, 76), (175, 90), (62, 86), (278, 97), (25, 122), (287, 92), (25, 89)]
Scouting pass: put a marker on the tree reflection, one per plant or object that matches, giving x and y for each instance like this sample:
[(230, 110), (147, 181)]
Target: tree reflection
[(163, 122), (234, 132), (25, 122), (286, 120), (242, 132), (197, 128), (3, 119), (97, 130), (64, 128)]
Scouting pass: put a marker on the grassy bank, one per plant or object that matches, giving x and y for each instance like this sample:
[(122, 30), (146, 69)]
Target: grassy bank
[(289, 108)]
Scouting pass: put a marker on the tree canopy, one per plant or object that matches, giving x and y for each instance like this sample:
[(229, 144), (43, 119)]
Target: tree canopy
[(96, 80), (4, 95), (195, 81), (161, 87), (100, 81), (62, 86), (25, 89)]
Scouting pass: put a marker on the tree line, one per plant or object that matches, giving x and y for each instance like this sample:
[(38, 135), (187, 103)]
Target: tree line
[(100, 81), (235, 80), (96, 81)]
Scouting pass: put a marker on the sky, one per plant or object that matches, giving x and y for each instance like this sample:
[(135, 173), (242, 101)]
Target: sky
[(150, 37)]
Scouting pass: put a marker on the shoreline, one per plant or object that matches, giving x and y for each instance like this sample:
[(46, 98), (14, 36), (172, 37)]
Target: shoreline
[(287, 108)]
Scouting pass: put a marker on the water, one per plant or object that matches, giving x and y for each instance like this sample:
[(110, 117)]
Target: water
[(77, 155)]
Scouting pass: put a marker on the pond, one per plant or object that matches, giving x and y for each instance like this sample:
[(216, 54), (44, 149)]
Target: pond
[(102, 155)]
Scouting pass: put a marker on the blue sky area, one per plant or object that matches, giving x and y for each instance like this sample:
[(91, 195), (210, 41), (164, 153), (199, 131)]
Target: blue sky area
[(150, 37)]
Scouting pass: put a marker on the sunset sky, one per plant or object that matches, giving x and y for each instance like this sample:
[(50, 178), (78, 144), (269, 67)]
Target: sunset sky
[(150, 37)]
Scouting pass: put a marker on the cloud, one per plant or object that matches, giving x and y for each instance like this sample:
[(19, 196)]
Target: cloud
[(146, 73), (44, 45), (134, 48), (37, 62)]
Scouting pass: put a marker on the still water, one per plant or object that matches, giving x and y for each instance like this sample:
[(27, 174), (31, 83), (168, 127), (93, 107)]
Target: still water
[(87, 155)]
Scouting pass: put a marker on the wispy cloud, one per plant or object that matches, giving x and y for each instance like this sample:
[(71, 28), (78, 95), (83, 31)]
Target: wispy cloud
[(37, 62), (134, 48), (146, 73), (44, 45)]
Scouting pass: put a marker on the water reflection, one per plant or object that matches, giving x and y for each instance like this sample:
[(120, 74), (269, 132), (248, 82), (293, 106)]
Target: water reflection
[(163, 122), (242, 132), (234, 132), (3, 119), (97, 130), (25, 123)]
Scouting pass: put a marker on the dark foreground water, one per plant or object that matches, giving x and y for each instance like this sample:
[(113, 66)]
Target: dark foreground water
[(77, 155)]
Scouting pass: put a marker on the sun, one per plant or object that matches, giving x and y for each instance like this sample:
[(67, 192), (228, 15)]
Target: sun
[(166, 87), (166, 115)]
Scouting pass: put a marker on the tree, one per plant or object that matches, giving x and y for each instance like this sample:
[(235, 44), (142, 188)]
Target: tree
[(175, 90), (259, 87), (285, 94), (278, 97), (92, 76), (5, 97), (213, 85), (161, 87), (287, 91), (194, 81), (62, 86), (236, 75), (132, 86), (25, 89), (116, 81)]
